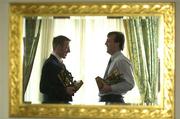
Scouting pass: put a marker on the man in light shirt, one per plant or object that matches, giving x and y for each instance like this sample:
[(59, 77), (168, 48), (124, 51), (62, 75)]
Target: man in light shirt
[(51, 85), (113, 93)]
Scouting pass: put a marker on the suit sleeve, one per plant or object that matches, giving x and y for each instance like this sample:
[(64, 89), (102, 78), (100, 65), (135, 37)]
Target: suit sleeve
[(50, 83)]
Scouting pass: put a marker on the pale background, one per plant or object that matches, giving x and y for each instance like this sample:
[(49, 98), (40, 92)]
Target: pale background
[(4, 107)]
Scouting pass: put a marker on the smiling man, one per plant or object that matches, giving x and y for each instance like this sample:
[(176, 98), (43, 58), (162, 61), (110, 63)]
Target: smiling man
[(119, 73)]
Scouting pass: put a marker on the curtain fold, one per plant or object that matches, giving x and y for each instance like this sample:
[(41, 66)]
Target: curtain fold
[(46, 37), (142, 34), (31, 39), (44, 48)]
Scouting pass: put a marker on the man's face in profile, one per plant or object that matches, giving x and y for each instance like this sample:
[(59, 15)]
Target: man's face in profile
[(111, 44), (64, 49)]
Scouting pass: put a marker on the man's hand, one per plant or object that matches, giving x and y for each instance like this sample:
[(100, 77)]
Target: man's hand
[(70, 90), (106, 88)]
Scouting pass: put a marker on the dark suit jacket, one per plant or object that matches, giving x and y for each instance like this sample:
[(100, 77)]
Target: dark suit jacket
[(50, 85)]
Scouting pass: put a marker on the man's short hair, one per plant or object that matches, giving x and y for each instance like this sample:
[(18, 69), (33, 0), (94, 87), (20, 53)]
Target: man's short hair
[(119, 38), (59, 40)]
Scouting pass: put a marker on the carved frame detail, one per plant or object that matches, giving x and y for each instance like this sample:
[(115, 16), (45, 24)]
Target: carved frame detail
[(18, 109)]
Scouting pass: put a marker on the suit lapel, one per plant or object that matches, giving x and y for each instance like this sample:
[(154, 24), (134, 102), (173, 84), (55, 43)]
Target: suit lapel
[(56, 61)]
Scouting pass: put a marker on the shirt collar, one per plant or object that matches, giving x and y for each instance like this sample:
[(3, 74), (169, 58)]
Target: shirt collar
[(59, 58), (116, 54)]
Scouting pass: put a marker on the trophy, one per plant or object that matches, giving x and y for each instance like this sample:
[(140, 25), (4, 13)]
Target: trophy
[(67, 80), (113, 78)]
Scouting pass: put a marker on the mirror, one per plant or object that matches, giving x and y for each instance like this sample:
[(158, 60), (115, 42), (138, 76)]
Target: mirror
[(88, 37), (111, 13)]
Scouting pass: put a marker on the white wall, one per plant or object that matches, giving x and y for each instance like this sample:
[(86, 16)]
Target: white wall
[(4, 52), (177, 62)]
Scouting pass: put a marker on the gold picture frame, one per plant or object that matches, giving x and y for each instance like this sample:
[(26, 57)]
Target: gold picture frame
[(19, 109)]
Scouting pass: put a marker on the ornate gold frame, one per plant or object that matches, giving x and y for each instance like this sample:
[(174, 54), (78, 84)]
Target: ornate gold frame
[(18, 109)]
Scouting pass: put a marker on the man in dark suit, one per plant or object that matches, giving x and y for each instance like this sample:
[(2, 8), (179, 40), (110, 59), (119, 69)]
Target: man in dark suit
[(52, 87)]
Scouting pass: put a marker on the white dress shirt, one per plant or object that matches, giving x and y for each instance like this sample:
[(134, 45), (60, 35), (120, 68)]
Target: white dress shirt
[(121, 64)]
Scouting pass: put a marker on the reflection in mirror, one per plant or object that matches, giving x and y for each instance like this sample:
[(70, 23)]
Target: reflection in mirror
[(88, 57)]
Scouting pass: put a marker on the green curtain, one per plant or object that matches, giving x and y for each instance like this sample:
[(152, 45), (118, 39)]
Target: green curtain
[(31, 39), (142, 34)]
